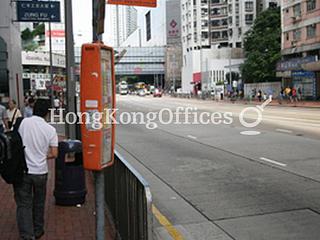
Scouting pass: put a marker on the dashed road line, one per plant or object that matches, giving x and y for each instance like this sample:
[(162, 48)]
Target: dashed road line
[(192, 137), (283, 130), (273, 161)]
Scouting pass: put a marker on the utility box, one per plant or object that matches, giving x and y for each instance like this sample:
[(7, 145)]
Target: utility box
[(70, 187)]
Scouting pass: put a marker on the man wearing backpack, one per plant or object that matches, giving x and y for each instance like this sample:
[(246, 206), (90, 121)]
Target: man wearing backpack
[(41, 144)]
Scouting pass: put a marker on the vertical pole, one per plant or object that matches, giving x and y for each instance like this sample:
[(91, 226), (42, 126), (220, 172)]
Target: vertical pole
[(230, 75), (50, 67), (140, 40), (118, 26), (99, 175), (70, 129)]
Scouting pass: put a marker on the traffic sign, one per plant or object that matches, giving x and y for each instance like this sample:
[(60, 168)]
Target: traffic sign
[(38, 11)]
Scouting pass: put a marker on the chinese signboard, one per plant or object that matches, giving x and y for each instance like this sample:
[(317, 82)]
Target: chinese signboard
[(295, 63), (38, 11)]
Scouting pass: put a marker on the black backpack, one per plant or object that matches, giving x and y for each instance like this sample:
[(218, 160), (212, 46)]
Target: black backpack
[(12, 159)]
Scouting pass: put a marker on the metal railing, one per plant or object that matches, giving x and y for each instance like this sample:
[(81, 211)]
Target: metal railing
[(129, 200)]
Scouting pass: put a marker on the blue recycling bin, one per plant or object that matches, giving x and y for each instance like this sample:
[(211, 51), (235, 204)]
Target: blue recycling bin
[(70, 186)]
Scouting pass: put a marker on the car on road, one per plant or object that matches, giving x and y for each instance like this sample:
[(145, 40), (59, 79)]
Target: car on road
[(157, 93), (141, 92)]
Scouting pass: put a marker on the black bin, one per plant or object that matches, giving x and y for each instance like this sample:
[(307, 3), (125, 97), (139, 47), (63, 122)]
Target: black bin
[(70, 186)]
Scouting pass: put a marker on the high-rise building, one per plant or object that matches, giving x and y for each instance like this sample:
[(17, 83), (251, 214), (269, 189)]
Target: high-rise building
[(121, 22), (265, 4), (300, 65), (10, 53), (213, 32), (212, 40)]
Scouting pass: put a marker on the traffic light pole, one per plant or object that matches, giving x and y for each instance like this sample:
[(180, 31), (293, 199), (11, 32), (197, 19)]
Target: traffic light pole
[(71, 86), (99, 175)]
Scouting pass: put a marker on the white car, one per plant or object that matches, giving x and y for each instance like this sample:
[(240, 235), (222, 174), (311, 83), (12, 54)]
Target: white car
[(142, 92)]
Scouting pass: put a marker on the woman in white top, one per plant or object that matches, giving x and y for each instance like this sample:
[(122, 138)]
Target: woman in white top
[(13, 113)]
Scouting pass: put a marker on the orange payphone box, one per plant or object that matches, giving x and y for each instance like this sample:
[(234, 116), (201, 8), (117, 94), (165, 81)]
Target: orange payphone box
[(97, 95)]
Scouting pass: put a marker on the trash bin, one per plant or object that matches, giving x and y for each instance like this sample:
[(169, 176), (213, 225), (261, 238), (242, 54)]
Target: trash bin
[(70, 187)]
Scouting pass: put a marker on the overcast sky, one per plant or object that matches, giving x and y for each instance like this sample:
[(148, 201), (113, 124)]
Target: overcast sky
[(82, 21)]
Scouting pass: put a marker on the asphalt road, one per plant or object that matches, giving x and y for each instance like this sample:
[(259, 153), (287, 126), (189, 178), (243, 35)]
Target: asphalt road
[(226, 181)]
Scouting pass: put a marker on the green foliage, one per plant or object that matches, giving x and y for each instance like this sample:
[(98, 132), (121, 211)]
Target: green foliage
[(262, 47), (235, 76), (39, 30), (26, 35)]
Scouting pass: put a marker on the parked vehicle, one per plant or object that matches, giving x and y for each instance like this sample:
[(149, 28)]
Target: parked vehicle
[(141, 92), (157, 93), (123, 88)]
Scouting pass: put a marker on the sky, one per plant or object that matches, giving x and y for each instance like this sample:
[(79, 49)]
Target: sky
[(82, 21)]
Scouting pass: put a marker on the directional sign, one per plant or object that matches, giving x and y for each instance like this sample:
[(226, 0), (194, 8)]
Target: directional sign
[(140, 3), (38, 11)]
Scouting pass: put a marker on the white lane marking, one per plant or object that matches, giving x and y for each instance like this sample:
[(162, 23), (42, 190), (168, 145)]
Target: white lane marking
[(250, 133), (272, 161), (283, 130), (192, 137)]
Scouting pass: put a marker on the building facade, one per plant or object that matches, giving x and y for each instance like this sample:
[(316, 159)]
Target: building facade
[(10, 54), (300, 66), (121, 22), (212, 40), (174, 45)]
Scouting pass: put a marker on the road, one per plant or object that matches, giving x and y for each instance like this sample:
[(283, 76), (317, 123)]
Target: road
[(225, 181)]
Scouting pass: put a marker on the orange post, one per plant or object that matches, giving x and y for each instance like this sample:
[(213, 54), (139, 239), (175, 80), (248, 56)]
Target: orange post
[(97, 94)]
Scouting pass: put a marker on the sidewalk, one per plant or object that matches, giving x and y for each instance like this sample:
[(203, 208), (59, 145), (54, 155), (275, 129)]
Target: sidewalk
[(275, 102), (62, 223)]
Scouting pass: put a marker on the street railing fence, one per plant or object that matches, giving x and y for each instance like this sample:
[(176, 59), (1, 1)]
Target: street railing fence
[(129, 201)]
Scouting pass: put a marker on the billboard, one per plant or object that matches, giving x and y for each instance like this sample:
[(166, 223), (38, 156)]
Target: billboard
[(140, 3), (173, 22)]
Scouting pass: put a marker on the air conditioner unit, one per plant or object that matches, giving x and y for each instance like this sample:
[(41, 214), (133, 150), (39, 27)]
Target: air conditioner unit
[(293, 43)]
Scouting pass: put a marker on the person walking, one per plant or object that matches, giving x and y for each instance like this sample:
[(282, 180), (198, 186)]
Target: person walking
[(13, 113), (28, 110), (3, 118), (41, 144), (299, 94), (259, 95), (294, 94)]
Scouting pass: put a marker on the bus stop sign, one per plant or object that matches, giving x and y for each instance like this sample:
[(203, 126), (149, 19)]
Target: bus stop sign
[(38, 11)]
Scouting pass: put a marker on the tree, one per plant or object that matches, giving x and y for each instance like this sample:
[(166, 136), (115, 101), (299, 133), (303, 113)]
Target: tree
[(262, 45), (234, 76)]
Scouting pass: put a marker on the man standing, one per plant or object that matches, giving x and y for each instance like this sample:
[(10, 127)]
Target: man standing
[(28, 110), (13, 113), (3, 118), (41, 144)]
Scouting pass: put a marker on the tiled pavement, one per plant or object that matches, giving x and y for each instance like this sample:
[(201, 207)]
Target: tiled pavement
[(62, 223)]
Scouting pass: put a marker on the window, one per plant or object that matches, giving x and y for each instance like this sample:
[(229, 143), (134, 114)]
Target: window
[(148, 25), (311, 5), (237, 21), (311, 31), (249, 19), (296, 35), (249, 6), (230, 20), (297, 10), (287, 36)]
